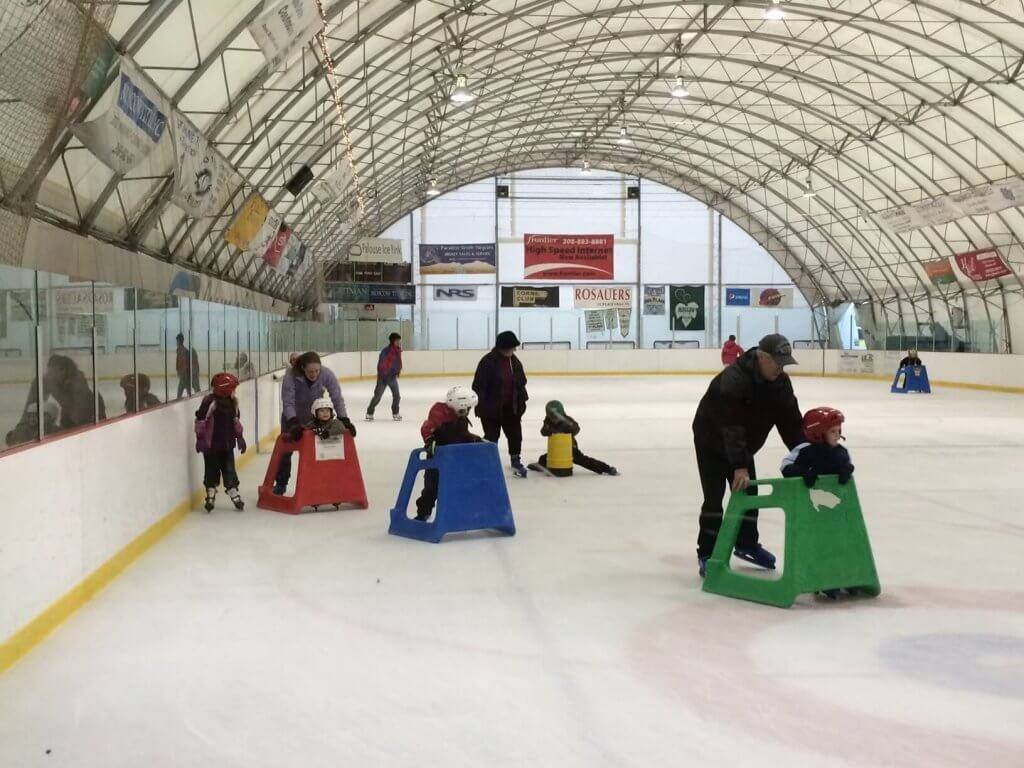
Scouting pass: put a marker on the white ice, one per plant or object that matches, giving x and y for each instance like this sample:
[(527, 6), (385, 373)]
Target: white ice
[(259, 639)]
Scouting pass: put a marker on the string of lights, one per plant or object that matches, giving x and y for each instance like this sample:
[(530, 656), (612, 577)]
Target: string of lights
[(332, 85)]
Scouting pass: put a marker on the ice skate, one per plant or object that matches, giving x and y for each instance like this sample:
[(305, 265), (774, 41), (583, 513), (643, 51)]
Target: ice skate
[(517, 467), (611, 472), (368, 417), (757, 555), (535, 467), (396, 416), (236, 499), (211, 494)]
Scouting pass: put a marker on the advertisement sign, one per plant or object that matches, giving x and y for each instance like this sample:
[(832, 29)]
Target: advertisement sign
[(372, 272), (454, 293), (202, 178), (939, 271), (773, 298), (737, 297), (856, 362), (595, 320), (625, 315), (334, 185), (284, 28), (376, 249), (248, 221), (686, 305), (982, 265), (277, 247), (609, 297), (569, 257), (654, 299), (977, 201), (78, 300), (449, 259), (131, 127), (368, 293), (515, 296)]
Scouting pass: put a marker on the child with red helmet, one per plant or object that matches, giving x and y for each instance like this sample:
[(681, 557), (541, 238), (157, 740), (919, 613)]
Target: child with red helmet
[(821, 454), (218, 431), (447, 424)]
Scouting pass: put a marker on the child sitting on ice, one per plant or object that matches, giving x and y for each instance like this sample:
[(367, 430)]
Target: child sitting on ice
[(218, 431), (446, 424), (325, 426), (556, 422), (821, 454)]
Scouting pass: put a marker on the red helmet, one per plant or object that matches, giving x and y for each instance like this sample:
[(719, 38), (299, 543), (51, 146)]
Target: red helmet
[(224, 384), (818, 421)]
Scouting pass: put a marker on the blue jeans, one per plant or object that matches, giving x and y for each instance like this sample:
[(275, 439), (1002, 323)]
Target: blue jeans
[(378, 392)]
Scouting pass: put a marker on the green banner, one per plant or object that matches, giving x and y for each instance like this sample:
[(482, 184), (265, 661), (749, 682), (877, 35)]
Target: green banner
[(686, 307)]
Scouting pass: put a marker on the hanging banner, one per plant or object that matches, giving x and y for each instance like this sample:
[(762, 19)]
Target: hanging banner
[(569, 257), (248, 221), (939, 271), (368, 293), (260, 244), (514, 296), (372, 272), (275, 251), (452, 259), (299, 261), (610, 297), (625, 315), (595, 320), (977, 201), (376, 249), (611, 319), (284, 28), (294, 253), (202, 178), (654, 299), (737, 297), (773, 298), (455, 293), (686, 305), (133, 125), (982, 265), (334, 185)]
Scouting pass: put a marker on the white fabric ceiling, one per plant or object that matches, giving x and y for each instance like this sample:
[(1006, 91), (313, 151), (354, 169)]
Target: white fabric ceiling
[(878, 102)]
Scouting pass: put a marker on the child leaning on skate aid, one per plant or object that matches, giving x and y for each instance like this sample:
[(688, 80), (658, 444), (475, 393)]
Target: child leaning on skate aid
[(447, 424), (556, 422), (218, 430), (821, 454)]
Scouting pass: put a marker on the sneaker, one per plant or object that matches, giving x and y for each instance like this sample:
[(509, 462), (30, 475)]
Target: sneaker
[(369, 417), (702, 563), (396, 416), (757, 555)]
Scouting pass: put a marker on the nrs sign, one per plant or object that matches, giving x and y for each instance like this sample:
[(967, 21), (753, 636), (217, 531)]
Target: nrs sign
[(451, 293)]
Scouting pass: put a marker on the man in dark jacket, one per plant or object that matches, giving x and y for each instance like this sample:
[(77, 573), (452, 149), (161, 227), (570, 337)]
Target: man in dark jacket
[(742, 405), (911, 359), (500, 383), (389, 368)]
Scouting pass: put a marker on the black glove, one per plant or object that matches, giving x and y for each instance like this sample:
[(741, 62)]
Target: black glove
[(294, 430), (321, 430), (810, 478), (845, 474), (347, 423)]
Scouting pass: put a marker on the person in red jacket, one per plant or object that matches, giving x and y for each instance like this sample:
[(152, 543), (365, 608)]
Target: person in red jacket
[(389, 368), (447, 424), (731, 351)]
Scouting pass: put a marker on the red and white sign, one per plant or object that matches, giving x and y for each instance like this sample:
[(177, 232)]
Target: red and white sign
[(569, 257), (277, 247), (985, 264), (603, 297)]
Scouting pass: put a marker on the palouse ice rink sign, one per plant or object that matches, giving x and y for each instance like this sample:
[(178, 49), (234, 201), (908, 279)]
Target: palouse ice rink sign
[(603, 297), (569, 257)]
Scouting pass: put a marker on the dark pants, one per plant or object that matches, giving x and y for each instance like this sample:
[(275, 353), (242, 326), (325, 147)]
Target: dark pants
[(510, 424), (378, 392), (428, 497), (581, 459), (184, 385), (715, 477), (220, 463), (284, 471)]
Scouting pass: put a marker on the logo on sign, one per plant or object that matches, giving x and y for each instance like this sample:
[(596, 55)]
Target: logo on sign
[(460, 294), (143, 112)]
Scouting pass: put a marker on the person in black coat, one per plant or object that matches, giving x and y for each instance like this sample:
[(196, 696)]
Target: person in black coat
[(734, 418), (500, 384), (911, 359)]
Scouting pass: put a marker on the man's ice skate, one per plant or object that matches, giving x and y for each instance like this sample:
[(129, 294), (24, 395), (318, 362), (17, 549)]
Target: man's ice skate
[(757, 555), (396, 416), (369, 417), (211, 494), (611, 472), (517, 467), (236, 499)]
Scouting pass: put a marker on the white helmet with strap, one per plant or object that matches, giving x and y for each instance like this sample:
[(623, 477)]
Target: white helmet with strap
[(461, 400), (322, 402)]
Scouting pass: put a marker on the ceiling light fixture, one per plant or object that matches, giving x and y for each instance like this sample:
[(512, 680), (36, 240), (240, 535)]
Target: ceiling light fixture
[(679, 90), (774, 12), (809, 189), (461, 93), (623, 138), (432, 190), (585, 170)]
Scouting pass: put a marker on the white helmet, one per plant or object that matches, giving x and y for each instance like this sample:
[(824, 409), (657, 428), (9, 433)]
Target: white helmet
[(323, 402), (461, 400)]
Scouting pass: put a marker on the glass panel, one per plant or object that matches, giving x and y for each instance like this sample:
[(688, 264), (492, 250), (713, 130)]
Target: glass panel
[(19, 413), (115, 348), (156, 369)]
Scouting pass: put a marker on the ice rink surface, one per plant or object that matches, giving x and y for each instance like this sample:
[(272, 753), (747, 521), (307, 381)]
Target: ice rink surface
[(258, 639)]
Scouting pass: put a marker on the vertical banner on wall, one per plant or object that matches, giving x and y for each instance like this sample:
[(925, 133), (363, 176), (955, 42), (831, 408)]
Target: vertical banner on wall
[(611, 319), (595, 320), (982, 265), (654, 299), (686, 305), (625, 316), (569, 257), (133, 125)]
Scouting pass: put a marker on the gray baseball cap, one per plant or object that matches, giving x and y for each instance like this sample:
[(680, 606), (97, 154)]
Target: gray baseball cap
[(778, 346)]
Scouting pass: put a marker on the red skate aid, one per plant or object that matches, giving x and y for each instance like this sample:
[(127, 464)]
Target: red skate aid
[(329, 473)]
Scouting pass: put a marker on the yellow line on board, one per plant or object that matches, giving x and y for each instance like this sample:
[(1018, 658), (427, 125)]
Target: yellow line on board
[(33, 633)]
